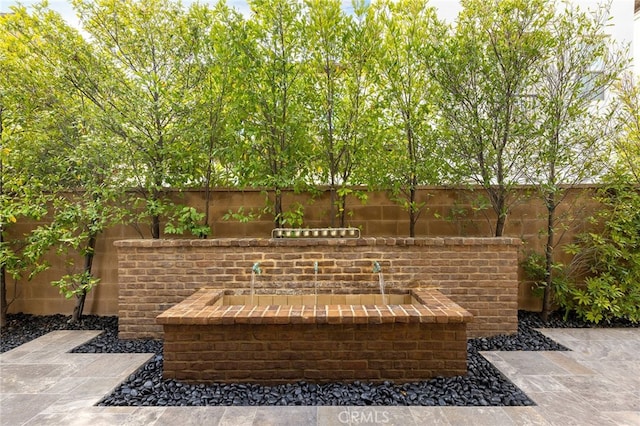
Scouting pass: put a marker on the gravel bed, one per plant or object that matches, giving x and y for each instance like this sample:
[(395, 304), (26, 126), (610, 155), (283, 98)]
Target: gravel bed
[(482, 386)]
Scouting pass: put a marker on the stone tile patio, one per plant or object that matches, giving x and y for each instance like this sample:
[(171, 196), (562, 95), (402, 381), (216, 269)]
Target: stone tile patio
[(596, 383)]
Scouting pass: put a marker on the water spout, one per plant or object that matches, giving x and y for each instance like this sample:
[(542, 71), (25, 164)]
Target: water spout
[(378, 269), (315, 280), (254, 270)]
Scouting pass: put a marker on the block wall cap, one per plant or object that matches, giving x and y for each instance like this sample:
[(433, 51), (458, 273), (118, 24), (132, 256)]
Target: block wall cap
[(315, 242)]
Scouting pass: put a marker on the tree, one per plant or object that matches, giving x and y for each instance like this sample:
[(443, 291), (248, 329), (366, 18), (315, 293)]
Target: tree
[(274, 149), (141, 85), (485, 71), (574, 119), (627, 146), (26, 96), (89, 201), (216, 112), (65, 154), (605, 280), (408, 32), (341, 51)]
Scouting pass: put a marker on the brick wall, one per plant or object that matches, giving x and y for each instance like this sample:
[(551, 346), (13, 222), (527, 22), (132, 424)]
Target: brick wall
[(206, 340), (270, 353), (479, 274)]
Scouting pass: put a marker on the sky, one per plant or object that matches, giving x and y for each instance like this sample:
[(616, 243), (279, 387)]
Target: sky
[(636, 44), (449, 8), (624, 27)]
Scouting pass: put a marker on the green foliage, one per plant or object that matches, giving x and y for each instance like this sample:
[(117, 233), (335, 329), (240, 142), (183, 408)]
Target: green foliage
[(273, 148), (570, 121), (22, 258), (38, 118), (627, 146), (610, 260), (187, 219), (139, 74), (408, 30), (241, 216), (602, 282), (341, 208), (75, 285), (483, 70), (293, 217), (535, 269), (151, 95), (606, 263), (71, 234), (341, 98)]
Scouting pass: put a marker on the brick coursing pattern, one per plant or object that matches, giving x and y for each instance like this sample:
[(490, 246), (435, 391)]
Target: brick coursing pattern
[(271, 353), (479, 274), (208, 341)]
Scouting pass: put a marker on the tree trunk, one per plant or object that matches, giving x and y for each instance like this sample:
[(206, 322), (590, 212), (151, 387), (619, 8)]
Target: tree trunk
[(412, 212), (277, 208), (413, 180), (332, 202), (156, 195), (343, 210), (332, 154), (88, 264), (77, 310), (547, 295), (207, 194), (3, 289), (155, 217), (213, 124), (155, 227), (207, 202), (500, 224), (498, 200)]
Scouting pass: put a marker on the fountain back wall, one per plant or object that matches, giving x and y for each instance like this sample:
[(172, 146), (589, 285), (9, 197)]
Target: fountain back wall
[(479, 274)]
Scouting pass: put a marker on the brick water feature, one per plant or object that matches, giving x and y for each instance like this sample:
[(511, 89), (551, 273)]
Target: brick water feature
[(234, 310), (216, 336), (479, 274)]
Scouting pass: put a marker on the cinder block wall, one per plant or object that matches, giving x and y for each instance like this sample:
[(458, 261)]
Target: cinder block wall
[(479, 274), (449, 213)]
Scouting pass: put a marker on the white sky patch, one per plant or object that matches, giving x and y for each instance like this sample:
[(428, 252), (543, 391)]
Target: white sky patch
[(624, 27), (636, 45)]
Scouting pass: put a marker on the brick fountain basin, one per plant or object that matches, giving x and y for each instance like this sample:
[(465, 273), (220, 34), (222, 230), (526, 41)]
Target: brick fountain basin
[(216, 336)]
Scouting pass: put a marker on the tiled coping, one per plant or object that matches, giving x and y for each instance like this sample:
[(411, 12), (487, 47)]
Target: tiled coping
[(218, 307)]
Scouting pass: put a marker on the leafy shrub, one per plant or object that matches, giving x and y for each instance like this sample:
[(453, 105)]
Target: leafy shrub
[(187, 219), (534, 266), (609, 260)]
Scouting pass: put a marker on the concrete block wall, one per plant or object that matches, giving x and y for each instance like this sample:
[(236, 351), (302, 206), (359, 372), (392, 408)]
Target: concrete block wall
[(449, 214)]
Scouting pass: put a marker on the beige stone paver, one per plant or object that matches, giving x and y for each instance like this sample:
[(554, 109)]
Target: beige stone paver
[(596, 383)]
